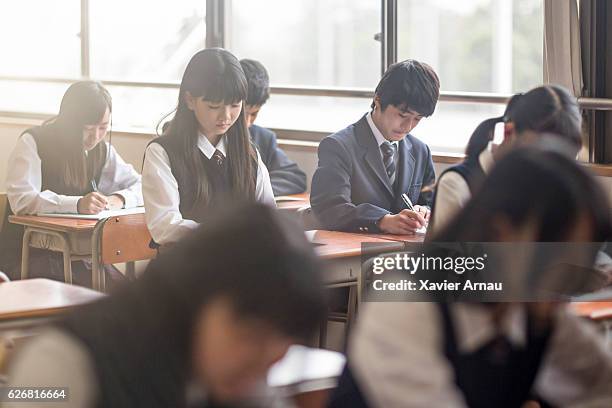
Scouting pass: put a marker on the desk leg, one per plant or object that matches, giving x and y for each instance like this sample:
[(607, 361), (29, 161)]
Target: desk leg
[(97, 273), (97, 267), (130, 270), (67, 264), (25, 257), (25, 253)]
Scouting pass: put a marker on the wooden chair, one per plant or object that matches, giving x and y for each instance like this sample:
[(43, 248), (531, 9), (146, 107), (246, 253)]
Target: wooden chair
[(116, 240)]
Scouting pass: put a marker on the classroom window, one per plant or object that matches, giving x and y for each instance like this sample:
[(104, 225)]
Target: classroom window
[(31, 96), (144, 40), (309, 42), (40, 38), (475, 45), (487, 46)]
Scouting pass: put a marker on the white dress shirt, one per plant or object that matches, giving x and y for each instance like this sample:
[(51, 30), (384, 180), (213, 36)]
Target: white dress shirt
[(397, 355), (24, 182), (453, 192), (55, 358), (161, 194)]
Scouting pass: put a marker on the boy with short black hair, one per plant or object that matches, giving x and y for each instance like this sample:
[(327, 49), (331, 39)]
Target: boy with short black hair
[(365, 169), (285, 175)]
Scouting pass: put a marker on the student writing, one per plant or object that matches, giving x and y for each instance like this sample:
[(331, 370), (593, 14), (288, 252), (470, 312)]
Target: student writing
[(205, 157), (363, 170), (65, 166)]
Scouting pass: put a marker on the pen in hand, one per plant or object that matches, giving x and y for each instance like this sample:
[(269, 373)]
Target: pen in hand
[(94, 189), (407, 201)]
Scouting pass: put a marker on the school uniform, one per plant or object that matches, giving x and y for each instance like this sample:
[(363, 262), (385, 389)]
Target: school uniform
[(455, 187), (361, 176), (285, 175), (34, 186), (59, 359), (432, 355), (169, 189)]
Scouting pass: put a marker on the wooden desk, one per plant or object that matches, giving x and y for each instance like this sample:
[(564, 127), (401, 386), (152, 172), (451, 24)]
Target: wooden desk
[(412, 238), (307, 375), (343, 255), (293, 203), (79, 239), (598, 311), (71, 237), (30, 301), (335, 244)]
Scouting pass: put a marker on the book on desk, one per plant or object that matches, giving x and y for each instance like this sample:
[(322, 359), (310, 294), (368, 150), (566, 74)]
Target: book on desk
[(100, 216)]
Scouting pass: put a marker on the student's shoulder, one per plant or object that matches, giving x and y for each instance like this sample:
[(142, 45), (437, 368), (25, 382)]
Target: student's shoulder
[(417, 144), (343, 139), (261, 133), (55, 358)]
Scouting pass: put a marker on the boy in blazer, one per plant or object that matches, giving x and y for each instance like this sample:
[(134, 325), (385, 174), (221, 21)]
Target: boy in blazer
[(285, 175), (365, 168)]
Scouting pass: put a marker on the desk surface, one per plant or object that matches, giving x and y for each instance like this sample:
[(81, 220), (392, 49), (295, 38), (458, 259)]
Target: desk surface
[(54, 224), (335, 244), (593, 310), (32, 298), (415, 238), (293, 202)]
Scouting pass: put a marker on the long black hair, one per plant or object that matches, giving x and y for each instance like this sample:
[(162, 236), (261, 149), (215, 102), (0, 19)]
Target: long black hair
[(215, 75), (84, 103), (548, 109), (533, 183), (141, 337)]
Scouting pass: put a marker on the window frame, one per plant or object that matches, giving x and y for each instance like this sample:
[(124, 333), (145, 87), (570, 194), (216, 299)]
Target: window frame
[(216, 23)]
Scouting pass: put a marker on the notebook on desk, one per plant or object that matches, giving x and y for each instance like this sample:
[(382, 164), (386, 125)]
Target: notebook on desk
[(100, 216)]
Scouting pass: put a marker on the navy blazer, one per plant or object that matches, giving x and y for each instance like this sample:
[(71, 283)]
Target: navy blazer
[(350, 189), (285, 175)]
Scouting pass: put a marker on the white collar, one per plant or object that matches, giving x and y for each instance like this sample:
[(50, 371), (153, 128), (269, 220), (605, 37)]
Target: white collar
[(474, 327), (380, 139), (485, 158), (208, 149)]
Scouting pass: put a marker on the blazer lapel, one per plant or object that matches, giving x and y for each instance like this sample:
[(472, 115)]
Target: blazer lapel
[(372, 155)]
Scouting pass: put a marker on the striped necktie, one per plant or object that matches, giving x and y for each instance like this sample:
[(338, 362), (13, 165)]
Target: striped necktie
[(219, 157), (388, 151)]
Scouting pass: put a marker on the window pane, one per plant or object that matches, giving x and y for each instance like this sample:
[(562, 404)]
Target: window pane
[(141, 108), (475, 45), (37, 97), (297, 112), (144, 40), (448, 130), (450, 127), (309, 42), (40, 38)]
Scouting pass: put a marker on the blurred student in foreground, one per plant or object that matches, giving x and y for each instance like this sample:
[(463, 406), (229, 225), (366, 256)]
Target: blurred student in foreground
[(201, 327), (444, 354), (285, 175)]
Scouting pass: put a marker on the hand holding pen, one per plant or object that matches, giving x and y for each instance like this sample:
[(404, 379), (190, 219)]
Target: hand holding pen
[(94, 202), (424, 211)]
